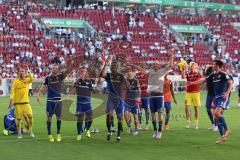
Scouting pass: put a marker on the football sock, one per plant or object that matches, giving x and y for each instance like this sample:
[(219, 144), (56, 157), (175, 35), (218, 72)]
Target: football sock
[(86, 124), (154, 125), (220, 127), (222, 119), (108, 122), (160, 126), (89, 124), (196, 121), (167, 117), (210, 115), (147, 114), (140, 117), (49, 127), (112, 121), (59, 123), (80, 128), (119, 129)]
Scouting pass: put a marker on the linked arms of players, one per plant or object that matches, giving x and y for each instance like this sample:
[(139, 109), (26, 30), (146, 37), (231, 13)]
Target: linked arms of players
[(40, 93), (103, 72)]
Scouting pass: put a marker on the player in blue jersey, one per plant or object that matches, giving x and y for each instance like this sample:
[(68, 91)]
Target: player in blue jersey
[(10, 123), (222, 85), (83, 87), (210, 100), (116, 84), (10, 126), (54, 83), (131, 107)]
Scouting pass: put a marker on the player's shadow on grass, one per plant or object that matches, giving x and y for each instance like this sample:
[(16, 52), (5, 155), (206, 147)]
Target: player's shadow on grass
[(97, 112)]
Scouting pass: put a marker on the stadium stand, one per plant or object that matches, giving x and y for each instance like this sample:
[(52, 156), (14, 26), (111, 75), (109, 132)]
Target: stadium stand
[(140, 36)]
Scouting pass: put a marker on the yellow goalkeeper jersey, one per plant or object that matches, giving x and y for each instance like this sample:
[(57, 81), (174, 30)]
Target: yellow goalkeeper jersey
[(20, 89)]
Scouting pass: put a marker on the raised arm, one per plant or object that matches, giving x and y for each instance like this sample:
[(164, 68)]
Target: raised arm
[(170, 65), (30, 79), (103, 72)]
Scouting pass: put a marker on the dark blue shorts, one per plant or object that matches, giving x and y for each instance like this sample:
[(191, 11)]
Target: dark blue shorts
[(167, 105), (133, 109), (54, 107), (221, 102), (84, 108), (145, 102), (116, 104), (156, 104)]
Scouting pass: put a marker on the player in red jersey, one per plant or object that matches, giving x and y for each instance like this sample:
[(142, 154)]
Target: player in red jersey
[(143, 80), (192, 92)]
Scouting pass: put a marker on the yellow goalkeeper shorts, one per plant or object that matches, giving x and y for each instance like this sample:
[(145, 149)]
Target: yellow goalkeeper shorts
[(22, 109)]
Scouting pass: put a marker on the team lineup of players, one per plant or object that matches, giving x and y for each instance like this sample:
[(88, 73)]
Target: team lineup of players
[(129, 93)]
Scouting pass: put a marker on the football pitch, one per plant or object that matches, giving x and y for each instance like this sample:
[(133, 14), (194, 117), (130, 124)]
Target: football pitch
[(178, 143)]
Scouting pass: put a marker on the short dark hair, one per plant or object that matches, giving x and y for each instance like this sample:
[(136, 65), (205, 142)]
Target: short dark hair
[(189, 60), (209, 70), (219, 63), (129, 69)]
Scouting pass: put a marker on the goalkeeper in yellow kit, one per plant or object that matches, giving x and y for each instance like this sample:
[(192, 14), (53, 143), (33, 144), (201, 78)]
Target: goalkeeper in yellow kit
[(19, 98)]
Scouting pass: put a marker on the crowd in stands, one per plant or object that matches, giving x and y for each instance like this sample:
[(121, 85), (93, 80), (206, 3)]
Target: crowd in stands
[(138, 33)]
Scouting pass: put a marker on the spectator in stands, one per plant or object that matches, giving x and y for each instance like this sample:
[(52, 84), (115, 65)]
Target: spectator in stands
[(213, 57), (215, 47), (141, 24), (226, 57)]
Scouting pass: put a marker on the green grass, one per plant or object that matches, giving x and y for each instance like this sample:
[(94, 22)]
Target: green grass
[(176, 144)]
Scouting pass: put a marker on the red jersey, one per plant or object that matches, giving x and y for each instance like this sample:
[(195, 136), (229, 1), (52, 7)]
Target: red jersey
[(191, 77), (143, 80), (167, 90)]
